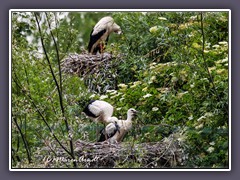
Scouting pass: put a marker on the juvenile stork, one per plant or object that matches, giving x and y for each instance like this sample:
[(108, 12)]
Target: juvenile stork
[(100, 34), (115, 131)]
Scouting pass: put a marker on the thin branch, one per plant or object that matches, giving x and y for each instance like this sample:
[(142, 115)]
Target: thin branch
[(14, 153), (60, 92), (42, 116), (57, 85), (57, 53), (24, 140), (50, 148), (49, 63)]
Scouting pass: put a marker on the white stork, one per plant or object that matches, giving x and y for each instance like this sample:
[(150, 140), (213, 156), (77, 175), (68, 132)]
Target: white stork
[(99, 111), (115, 131), (100, 34)]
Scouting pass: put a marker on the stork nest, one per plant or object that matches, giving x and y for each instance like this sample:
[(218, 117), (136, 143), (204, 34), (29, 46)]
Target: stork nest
[(167, 153), (98, 71)]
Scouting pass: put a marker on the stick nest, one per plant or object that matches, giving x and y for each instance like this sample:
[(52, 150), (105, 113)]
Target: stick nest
[(99, 71), (167, 153)]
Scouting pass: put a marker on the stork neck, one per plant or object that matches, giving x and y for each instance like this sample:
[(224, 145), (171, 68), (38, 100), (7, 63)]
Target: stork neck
[(129, 118)]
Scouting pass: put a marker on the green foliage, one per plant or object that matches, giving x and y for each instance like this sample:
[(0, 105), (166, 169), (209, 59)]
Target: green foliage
[(177, 83)]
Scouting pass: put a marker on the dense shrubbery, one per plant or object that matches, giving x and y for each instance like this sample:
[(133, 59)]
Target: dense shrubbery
[(175, 72)]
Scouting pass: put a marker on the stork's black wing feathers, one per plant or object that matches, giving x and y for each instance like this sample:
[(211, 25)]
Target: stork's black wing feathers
[(106, 40), (87, 112), (104, 136), (93, 40)]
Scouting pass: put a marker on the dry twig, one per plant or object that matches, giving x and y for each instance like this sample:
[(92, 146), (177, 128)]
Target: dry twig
[(98, 71), (167, 153)]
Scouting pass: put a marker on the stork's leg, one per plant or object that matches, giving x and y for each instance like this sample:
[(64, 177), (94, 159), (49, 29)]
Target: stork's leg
[(97, 132), (102, 47), (106, 135)]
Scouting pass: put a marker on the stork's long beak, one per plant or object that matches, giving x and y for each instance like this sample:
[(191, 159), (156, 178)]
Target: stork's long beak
[(135, 113), (120, 32)]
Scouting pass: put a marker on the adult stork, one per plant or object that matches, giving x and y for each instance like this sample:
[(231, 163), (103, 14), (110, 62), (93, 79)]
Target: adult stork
[(115, 131), (99, 111), (100, 34)]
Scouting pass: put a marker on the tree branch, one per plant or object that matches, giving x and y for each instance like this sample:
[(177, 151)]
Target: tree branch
[(24, 140), (55, 80), (41, 115)]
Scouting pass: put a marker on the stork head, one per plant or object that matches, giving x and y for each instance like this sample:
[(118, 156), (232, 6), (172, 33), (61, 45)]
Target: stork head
[(116, 28), (131, 113)]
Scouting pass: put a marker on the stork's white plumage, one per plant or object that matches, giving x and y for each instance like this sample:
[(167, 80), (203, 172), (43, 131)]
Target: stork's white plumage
[(100, 34), (99, 111), (116, 130)]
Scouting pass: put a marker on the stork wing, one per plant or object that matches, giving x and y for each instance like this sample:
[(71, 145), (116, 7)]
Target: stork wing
[(102, 25), (105, 25), (109, 131), (107, 109), (93, 39), (92, 111)]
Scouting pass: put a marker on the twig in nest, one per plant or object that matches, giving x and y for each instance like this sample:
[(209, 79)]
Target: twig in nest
[(98, 71), (166, 153)]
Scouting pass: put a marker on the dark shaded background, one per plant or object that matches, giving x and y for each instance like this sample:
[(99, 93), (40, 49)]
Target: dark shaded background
[(105, 4)]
